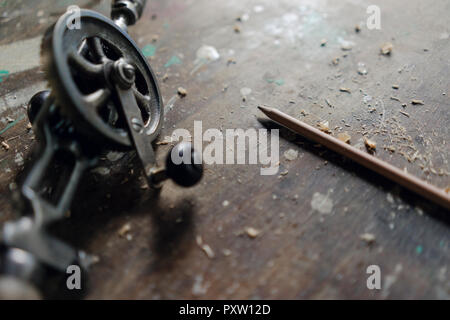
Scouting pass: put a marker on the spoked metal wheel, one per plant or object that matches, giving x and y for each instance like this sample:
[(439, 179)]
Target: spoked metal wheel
[(85, 66)]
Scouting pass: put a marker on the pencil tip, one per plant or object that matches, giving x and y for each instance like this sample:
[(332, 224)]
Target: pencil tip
[(263, 109)]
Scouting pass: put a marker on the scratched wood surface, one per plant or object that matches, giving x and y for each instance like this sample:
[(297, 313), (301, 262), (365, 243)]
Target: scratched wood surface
[(311, 215)]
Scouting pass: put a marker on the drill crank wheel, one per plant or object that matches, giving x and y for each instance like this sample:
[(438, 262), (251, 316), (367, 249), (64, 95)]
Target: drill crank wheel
[(81, 66)]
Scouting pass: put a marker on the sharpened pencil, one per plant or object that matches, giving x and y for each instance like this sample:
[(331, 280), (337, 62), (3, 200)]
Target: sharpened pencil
[(381, 167)]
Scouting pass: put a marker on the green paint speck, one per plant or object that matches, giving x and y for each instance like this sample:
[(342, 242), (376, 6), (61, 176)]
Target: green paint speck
[(419, 249), (172, 61), (3, 74), (278, 82), (149, 50)]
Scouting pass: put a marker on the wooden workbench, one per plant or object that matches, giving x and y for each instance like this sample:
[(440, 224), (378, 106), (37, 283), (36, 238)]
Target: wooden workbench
[(311, 215)]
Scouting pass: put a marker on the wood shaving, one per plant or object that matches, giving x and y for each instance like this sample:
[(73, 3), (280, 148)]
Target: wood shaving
[(417, 102), (205, 247), (5, 145), (344, 137)]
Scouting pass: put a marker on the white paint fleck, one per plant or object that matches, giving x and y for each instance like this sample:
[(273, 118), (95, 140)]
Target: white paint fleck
[(258, 8), (322, 203), (19, 159), (199, 289), (291, 154), (209, 53), (246, 91)]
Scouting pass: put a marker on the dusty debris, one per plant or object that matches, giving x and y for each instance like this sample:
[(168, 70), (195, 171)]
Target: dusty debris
[(124, 230), (417, 102), (447, 190), (344, 137), (231, 61), (335, 61), (155, 38), (165, 77), (324, 127), (226, 203), (252, 232), (370, 145), (237, 29), (357, 28), (395, 86), (226, 252), (387, 48), (323, 42), (342, 89), (368, 237), (395, 99), (182, 92), (5, 145)]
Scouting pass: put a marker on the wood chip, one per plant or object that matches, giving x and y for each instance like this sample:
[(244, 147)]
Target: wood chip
[(368, 237), (252, 232), (182, 92), (395, 86), (344, 136), (5, 145), (345, 90), (324, 127), (387, 48), (370, 145), (417, 102)]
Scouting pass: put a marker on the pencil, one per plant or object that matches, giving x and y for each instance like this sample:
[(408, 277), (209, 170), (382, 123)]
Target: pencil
[(381, 167)]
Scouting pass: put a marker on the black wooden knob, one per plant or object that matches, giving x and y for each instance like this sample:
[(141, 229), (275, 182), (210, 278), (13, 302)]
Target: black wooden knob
[(183, 165), (36, 103)]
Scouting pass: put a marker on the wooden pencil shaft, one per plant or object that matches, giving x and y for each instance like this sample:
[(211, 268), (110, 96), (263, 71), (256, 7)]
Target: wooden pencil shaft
[(383, 168)]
